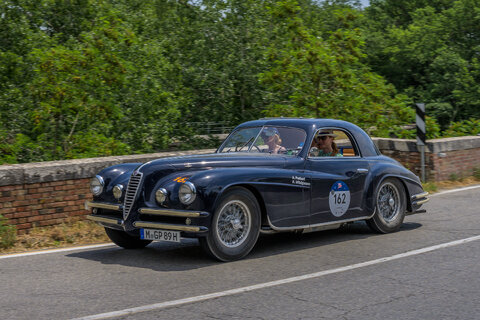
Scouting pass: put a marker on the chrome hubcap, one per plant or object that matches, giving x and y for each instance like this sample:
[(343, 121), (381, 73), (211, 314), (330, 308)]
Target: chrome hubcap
[(391, 202), (233, 223), (236, 224), (388, 201)]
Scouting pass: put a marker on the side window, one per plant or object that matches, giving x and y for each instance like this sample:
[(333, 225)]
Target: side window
[(332, 143)]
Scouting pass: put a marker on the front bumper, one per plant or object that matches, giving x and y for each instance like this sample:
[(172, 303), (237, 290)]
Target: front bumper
[(155, 215), (417, 200)]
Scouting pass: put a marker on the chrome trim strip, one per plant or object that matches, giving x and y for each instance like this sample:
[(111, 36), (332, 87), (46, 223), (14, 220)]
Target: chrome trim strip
[(102, 205), (107, 220), (167, 226), (316, 225), (134, 184), (420, 202), (420, 195), (362, 170), (174, 213)]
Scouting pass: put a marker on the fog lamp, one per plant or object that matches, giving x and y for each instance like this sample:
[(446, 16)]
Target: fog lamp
[(118, 191), (161, 195)]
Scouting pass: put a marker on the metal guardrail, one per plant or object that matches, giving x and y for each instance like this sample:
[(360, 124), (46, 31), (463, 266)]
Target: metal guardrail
[(211, 127)]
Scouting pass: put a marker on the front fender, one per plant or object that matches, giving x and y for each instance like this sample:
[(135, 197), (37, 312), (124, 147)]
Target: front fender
[(212, 184), (117, 174), (278, 196)]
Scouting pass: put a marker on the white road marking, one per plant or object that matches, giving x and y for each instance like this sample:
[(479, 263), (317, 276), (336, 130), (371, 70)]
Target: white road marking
[(176, 303), (34, 253), (454, 190)]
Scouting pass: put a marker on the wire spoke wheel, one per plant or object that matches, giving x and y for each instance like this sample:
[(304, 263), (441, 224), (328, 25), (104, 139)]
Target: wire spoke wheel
[(390, 207), (388, 202), (233, 224)]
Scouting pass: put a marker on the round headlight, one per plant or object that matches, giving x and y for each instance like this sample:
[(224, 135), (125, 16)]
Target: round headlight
[(96, 185), (161, 195), (118, 191), (187, 193)]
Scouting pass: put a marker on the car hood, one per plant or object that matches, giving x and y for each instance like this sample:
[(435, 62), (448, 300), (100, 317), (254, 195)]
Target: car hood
[(165, 172), (214, 160)]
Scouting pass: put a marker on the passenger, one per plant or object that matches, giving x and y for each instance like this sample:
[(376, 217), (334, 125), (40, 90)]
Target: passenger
[(272, 139), (324, 146)]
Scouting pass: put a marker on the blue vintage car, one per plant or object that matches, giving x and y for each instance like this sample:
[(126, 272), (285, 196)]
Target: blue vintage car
[(269, 175)]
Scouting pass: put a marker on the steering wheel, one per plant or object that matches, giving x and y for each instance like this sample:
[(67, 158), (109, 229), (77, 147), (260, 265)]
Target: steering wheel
[(237, 148)]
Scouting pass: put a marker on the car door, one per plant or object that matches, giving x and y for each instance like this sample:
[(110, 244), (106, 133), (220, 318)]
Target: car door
[(286, 192), (337, 182)]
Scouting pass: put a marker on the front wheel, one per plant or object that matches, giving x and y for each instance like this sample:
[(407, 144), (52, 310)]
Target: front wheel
[(235, 226), (124, 240), (389, 208)]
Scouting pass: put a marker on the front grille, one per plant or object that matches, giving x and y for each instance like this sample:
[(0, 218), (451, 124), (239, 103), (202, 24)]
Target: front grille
[(131, 193)]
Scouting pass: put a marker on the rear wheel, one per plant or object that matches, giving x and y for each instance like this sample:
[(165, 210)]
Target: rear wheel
[(235, 226), (124, 240), (389, 208)]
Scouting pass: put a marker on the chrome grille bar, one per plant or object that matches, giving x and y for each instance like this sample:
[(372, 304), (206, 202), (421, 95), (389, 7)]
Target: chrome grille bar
[(131, 193)]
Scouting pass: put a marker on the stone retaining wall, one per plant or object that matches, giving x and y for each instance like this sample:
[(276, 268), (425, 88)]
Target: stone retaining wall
[(47, 193)]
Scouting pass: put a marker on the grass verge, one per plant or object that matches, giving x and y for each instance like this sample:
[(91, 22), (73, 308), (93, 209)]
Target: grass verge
[(73, 232)]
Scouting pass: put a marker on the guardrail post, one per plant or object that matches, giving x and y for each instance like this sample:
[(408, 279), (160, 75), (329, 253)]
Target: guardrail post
[(421, 135)]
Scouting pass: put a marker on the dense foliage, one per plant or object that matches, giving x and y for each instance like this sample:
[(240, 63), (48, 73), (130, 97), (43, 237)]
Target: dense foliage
[(83, 78)]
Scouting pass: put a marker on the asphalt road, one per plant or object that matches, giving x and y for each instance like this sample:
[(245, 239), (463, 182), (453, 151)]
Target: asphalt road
[(350, 273)]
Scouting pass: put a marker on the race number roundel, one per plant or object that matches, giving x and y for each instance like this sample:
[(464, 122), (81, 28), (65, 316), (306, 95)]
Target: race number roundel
[(339, 198)]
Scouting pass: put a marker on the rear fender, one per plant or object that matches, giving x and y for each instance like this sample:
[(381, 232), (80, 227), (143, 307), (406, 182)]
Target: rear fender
[(410, 182)]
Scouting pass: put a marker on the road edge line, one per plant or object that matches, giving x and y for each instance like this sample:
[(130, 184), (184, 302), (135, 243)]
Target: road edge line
[(34, 253), (455, 190)]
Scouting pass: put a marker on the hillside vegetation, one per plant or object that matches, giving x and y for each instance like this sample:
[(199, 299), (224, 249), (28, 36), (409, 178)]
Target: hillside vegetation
[(84, 78)]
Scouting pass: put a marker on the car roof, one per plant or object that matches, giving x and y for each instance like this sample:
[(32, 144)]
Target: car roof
[(311, 125)]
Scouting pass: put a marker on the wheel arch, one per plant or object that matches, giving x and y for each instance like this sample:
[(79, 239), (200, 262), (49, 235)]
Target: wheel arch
[(402, 182), (253, 190)]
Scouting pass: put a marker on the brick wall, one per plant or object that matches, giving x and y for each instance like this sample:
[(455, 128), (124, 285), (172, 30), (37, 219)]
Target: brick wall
[(444, 158), (47, 193), (43, 204)]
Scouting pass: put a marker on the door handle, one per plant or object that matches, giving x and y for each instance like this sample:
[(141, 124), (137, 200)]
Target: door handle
[(362, 170)]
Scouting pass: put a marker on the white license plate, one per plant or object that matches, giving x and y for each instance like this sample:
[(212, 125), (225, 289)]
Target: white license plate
[(160, 235)]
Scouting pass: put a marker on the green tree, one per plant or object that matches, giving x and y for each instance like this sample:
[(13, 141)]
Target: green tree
[(429, 53), (223, 57), (74, 92), (315, 77)]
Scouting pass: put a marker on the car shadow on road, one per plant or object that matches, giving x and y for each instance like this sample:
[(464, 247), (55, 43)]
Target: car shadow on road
[(160, 256), (188, 255), (287, 242)]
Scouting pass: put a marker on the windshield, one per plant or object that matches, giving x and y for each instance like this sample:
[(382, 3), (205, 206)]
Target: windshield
[(266, 139)]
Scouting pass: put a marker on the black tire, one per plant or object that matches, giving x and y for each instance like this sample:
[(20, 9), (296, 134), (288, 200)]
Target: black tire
[(390, 207), (235, 226), (124, 240)]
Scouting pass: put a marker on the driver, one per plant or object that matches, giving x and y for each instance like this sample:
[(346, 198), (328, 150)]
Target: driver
[(272, 139)]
